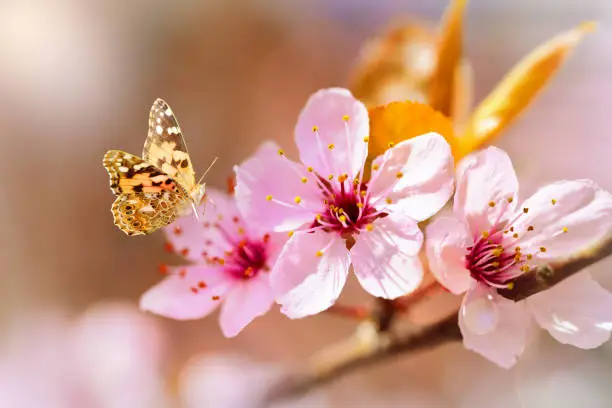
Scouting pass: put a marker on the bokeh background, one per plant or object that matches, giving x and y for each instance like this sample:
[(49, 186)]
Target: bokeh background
[(77, 78)]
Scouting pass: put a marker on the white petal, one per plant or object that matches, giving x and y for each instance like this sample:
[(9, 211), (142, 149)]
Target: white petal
[(386, 260), (446, 242), (577, 311), (484, 177), (416, 176), (305, 280), (504, 326)]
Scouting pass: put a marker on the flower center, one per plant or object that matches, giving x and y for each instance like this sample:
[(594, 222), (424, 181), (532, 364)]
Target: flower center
[(347, 209), (247, 259)]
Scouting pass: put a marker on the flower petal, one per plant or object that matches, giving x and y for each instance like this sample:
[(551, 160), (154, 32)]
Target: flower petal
[(330, 133), (416, 176), (385, 259), (446, 242), (192, 238), (268, 186), (494, 327), (305, 280), (577, 311), (483, 178), (247, 300), (174, 297), (566, 217)]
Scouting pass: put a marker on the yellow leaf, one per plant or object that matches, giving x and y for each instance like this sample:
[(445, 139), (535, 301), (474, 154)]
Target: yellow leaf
[(398, 121), (518, 88), (448, 56)]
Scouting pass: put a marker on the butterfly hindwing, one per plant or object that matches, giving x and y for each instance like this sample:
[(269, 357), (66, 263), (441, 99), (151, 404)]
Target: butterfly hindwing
[(142, 213), (165, 146)]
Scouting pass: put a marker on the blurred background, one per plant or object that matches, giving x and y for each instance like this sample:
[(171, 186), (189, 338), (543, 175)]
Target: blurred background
[(77, 77)]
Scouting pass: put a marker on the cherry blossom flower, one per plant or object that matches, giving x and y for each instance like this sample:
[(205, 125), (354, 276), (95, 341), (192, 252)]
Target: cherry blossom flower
[(231, 260), (334, 218), (492, 241)]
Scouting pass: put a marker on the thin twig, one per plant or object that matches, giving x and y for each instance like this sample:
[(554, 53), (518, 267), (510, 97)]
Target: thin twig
[(364, 353), (546, 276)]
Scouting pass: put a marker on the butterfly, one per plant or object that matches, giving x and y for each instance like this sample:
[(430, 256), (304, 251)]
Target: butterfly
[(155, 189)]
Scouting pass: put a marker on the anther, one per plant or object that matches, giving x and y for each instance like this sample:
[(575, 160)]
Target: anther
[(178, 230), (542, 249), (369, 227), (310, 169), (315, 128), (388, 200), (297, 199), (185, 251), (290, 233), (375, 167), (525, 210), (345, 118), (366, 139), (515, 235), (510, 285), (485, 234), (202, 285), (240, 231), (304, 180), (565, 229), (390, 144), (510, 199), (491, 204), (530, 228), (331, 146), (330, 177), (342, 218), (215, 298), (319, 253), (163, 269), (399, 175), (269, 197), (281, 152), (553, 201)]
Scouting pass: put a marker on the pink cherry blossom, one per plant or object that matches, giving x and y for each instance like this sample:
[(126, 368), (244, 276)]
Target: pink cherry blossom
[(491, 241), (327, 208), (231, 259)]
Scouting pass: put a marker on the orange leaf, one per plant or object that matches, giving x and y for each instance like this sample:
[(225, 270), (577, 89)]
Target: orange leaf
[(400, 121), (518, 88), (448, 56)]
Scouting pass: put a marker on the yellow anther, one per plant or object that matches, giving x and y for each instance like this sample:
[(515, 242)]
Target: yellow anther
[(497, 251), (529, 257), (359, 205), (281, 152), (297, 199), (511, 229), (304, 180), (510, 285), (553, 201), (319, 253), (221, 261), (399, 174), (331, 146), (388, 200), (290, 233), (491, 203), (510, 199), (220, 217), (310, 169), (530, 228), (345, 118), (269, 197), (515, 235), (525, 210), (318, 217), (369, 227), (525, 268), (342, 218), (375, 167), (495, 264), (240, 231), (366, 139), (330, 177), (542, 249), (315, 128), (342, 178), (391, 144), (565, 229), (517, 249), (363, 193), (485, 234)]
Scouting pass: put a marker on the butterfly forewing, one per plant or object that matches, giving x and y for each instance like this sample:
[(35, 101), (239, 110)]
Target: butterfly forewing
[(165, 146)]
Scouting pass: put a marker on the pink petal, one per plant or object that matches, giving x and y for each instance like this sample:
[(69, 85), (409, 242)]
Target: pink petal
[(580, 206), (577, 311), (385, 259), (416, 175), (494, 327), (305, 281), (340, 120), (196, 240), (483, 178), (174, 298), (267, 185), (446, 242), (247, 300)]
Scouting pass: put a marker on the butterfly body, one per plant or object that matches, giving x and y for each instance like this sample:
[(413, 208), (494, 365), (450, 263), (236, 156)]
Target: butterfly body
[(155, 189)]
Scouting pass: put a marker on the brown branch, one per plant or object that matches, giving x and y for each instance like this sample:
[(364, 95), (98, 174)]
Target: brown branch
[(546, 276), (362, 350)]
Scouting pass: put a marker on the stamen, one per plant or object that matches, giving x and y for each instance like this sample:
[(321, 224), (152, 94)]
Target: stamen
[(345, 118), (369, 227), (530, 228), (315, 129), (304, 180), (390, 144), (510, 200), (297, 199), (525, 210), (290, 233), (553, 201), (491, 204), (399, 175), (331, 146), (269, 197), (542, 249), (366, 139), (281, 152), (319, 253), (565, 229)]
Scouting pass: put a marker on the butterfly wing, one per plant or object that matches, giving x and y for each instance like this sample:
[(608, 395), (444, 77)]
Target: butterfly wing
[(165, 146), (143, 213), (148, 199)]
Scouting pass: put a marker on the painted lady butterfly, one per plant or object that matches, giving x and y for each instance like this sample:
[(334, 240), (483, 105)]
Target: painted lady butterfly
[(154, 190)]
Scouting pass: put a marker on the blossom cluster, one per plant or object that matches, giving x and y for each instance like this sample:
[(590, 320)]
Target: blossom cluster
[(292, 231)]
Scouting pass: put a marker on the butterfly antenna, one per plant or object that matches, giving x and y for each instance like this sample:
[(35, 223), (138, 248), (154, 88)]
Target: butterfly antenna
[(195, 211), (208, 169)]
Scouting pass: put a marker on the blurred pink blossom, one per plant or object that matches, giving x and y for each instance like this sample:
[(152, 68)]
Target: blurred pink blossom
[(231, 256), (491, 241), (109, 357), (325, 205)]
